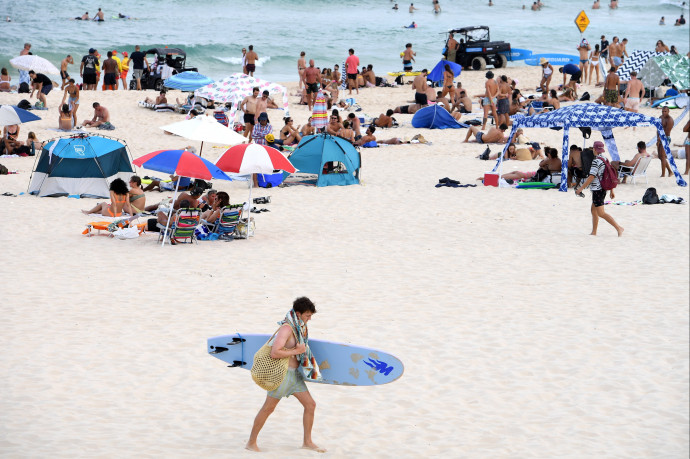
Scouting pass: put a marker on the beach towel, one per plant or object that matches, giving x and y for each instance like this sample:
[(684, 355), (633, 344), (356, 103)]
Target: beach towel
[(319, 117), (307, 362), (106, 126)]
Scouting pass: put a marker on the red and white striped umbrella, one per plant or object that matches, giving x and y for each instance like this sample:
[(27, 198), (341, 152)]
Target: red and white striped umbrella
[(254, 159)]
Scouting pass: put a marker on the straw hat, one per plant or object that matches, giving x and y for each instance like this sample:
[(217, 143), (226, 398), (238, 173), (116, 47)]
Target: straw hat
[(543, 61)]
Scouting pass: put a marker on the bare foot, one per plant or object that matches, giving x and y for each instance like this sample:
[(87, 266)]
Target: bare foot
[(592, 234), (85, 212), (620, 232), (313, 447), (252, 447)]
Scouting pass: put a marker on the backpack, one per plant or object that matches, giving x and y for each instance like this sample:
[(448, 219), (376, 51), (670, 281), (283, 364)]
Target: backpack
[(609, 179), (3, 170), (650, 196), (585, 96), (24, 104), (23, 88)]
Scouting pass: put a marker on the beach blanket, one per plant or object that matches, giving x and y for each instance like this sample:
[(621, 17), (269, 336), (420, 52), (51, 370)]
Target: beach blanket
[(307, 362), (319, 117)]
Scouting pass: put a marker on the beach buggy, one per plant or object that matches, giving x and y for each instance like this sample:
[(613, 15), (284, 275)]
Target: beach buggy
[(476, 49), (166, 63)]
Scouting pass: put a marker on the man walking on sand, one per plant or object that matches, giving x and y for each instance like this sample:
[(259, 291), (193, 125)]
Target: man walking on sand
[(611, 88), (252, 57), (248, 106), (312, 78), (419, 87), (139, 63), (351, 66), (292, 341), (633, 93), (666, 123), (63, 70), (489, 98), (596, 172)]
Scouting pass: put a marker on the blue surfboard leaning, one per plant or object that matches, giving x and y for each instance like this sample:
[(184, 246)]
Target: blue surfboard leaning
[(518, 54), (677, 101), (340, 363), (554, 59)]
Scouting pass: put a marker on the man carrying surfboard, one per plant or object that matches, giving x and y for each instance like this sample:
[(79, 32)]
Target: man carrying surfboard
[(292, 341)]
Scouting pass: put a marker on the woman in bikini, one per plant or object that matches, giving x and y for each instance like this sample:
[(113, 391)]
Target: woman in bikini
[(594, 63), (65, 118), (448, 87), (72, 96), (137, 198), (289, 135), (5, 79), (10, 136), (119, 201)]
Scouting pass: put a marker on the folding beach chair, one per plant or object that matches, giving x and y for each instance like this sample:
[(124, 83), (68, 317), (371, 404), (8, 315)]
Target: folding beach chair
[(638, 170), (182, 226)]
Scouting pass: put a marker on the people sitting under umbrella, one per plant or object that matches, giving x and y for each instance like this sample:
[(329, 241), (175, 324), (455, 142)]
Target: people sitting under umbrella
[(191, 199), (211, 215), (262, 129)]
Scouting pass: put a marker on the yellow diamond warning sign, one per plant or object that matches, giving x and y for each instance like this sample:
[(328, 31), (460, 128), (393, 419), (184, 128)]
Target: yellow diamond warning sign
[(582, 21)]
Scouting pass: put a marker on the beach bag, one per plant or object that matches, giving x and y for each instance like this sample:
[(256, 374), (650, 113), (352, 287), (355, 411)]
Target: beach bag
[(609, 179), (650, 196), (585, 96), (3, 170), (268, 373), (24, 104), (243, 231), (24, 88)]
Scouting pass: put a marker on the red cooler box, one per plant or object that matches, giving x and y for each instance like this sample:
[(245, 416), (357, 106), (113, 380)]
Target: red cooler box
[(490, 179)]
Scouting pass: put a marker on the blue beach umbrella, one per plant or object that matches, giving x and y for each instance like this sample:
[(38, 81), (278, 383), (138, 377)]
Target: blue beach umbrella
[(9, 115), (187, 81), (437, 73)]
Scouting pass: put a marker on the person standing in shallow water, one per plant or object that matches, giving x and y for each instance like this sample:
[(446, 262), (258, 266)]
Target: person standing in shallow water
[(292, 341)]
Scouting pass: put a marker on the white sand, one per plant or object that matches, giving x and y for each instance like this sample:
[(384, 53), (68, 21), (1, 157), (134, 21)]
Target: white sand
[(522, 336)]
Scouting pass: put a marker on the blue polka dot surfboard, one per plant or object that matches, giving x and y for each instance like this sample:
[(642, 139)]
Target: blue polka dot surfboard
[(340, 363)]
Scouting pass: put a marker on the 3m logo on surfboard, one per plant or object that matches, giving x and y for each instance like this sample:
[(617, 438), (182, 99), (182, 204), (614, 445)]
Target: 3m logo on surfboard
[(381, 367)]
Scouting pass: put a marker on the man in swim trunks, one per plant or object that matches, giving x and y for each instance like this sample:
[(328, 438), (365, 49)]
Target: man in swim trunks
[(262, 104), (100, 116), (584, 50), (463, 102), (489, 98), (451, 48), (312, 80), (72, 90), (408, 57), (616, 52), (110, 71), (633, 93), (291, 341), (248, 106), (604, 45), (351, 65), (252, 57), (503, 102), (99, 17), (87, 71), (611, 88), (63, 70), (407, 109), (42, 84), (419, 86), (367, 137), (494, 135)]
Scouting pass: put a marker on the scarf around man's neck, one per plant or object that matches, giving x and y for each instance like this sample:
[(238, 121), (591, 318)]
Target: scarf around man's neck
[(307, 362)]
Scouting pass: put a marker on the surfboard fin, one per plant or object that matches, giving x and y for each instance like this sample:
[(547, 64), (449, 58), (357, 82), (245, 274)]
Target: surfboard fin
[(237, 341), (218, 350), (236, 363)]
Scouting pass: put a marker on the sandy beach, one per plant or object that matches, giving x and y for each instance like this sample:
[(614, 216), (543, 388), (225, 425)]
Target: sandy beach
[(522, 335)]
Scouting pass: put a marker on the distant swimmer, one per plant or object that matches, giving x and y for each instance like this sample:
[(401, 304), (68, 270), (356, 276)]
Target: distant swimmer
[(412, 8), (411, 26), (596, 5), (437, 7), (614, 4), (680, 21), (83, 17), (124, 16), (408, 57), (662, 21), (8, 19), (99, 17), (491, 3), (395, 7)]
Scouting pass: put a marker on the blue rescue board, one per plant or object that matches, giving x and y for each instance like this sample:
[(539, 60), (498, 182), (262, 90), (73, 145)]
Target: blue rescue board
[(340, 363), (554, 59), (517, 54)]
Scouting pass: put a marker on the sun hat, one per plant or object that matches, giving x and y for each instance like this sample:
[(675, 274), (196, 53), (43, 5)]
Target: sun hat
[(270, 138), (543, 61), (598, 146)]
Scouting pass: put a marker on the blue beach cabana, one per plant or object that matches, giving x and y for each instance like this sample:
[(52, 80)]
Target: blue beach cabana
[(598, 117), (435, 117)]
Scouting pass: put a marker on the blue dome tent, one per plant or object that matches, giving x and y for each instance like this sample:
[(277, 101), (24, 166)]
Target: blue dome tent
[(314, 151), (435, 117), (82, 165)]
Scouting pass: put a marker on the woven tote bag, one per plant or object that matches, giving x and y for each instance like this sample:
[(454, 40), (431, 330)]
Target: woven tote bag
[(267, 372)]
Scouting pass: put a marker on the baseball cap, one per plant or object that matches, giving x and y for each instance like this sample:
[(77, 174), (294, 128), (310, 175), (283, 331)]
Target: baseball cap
[(114, 51), (598, 146), (92, 50), (125, 54), (270, 138)]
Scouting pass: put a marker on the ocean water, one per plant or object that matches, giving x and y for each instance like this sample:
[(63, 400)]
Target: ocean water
[(213, 31)]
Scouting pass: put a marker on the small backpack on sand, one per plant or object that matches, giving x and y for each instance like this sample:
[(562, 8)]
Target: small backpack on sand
[(609, 179)]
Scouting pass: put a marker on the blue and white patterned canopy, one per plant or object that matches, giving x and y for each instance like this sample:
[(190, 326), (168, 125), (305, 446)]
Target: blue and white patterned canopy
[(584, 115)]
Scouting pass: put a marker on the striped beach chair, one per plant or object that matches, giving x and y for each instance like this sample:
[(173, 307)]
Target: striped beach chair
[(182, 227)]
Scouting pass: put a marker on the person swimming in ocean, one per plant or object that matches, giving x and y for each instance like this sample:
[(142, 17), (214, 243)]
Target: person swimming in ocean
[(411, 26), (99, 17)]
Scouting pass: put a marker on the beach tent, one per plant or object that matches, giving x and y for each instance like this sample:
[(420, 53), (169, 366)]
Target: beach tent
[(82, 165), (187, 81), (635, 62), (238, 86), (314, 151), (435, 117), (600, 117), (437, 73), (659, 68)]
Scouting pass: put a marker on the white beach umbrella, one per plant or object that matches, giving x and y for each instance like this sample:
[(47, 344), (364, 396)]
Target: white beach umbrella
[(35, 63), (205, 129)]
